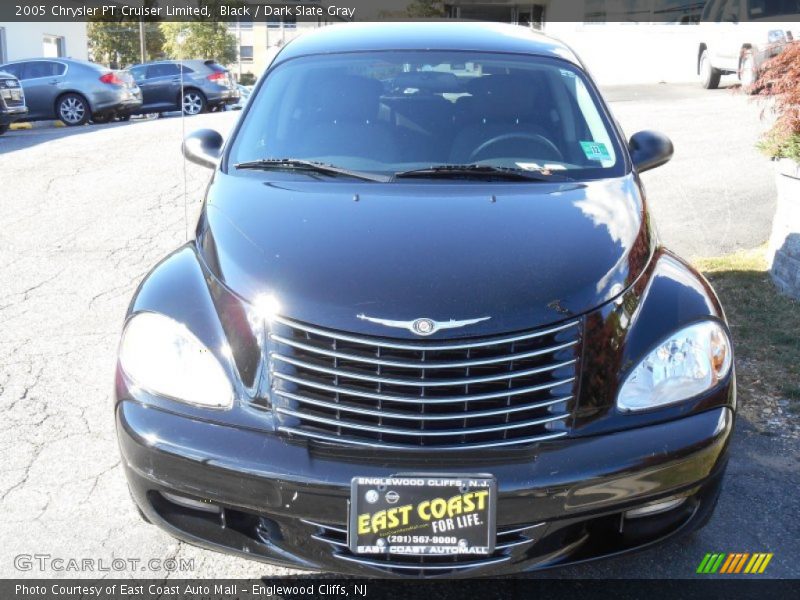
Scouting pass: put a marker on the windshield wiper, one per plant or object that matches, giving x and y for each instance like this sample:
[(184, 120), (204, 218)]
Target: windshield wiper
[(297, 164), (478, 171)]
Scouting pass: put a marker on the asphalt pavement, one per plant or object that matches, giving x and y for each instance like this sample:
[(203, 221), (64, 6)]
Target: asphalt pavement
[(87, 212)]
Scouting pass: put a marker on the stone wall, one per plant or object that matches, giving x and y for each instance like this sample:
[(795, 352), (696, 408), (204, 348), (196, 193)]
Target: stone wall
[(784, 243)]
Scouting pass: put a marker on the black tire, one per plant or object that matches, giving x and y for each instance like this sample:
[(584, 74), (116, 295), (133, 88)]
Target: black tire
[(73, 109), (193, 102), (101, 118), (4, 127), (709, 76)]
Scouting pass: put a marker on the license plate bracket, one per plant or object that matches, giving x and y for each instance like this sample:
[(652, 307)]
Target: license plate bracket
[(423, 514)]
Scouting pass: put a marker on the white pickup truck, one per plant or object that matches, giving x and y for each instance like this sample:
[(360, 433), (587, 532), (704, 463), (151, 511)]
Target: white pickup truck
[(737, 36)]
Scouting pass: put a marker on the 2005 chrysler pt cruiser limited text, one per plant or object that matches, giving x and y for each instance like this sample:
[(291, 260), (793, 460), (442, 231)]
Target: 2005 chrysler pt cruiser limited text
[(425, 327)]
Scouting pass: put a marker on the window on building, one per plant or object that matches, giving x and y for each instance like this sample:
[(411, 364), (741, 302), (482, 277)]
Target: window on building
[(246, 53), (240, 24), (287, 22), (643, 11), (53, 46)]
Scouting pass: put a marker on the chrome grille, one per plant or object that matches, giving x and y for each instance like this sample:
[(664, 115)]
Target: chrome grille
[(11, 93), (367, 391), (510, 541)]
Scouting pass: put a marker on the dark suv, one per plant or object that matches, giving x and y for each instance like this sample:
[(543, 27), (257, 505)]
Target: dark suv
[(12, 101), (188, 85), (425, 327)]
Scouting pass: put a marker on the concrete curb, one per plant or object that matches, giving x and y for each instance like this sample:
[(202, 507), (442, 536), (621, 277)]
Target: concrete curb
[(36, 125)]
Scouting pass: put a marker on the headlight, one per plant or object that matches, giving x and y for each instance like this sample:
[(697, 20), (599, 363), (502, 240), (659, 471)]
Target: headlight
[(162, 356), (686, 364)]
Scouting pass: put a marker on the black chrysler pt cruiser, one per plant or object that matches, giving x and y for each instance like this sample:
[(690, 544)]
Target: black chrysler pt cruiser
[(425, 326)]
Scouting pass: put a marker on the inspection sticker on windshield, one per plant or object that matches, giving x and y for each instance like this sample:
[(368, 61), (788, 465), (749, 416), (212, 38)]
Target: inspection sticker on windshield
[(529, 166), (595, 151)]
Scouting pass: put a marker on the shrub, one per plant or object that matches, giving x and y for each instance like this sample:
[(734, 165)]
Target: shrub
[(780, 80), (247, 79)]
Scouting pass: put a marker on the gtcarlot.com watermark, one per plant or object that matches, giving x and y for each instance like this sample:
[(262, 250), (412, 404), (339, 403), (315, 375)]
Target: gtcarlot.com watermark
[(59, 564)]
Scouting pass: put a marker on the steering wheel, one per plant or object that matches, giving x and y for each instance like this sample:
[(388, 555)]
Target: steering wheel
[(531, 137)]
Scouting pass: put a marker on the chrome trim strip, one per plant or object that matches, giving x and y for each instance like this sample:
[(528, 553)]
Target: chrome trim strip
[(421, 346), (322, 526), (420, 382), (518, 529), (322, 538), (340, 529), (341, 544), (342, 440), (419, 432), (412, 325), (419, 417), (420, 365), (416, 399), (507, 545), (421, 566)]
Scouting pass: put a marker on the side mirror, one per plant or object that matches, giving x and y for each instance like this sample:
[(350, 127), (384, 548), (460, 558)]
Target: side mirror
[(650, 149), (203, 147)]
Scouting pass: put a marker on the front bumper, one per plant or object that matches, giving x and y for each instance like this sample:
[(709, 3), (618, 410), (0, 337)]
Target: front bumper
[(286, 503), (11, 114)]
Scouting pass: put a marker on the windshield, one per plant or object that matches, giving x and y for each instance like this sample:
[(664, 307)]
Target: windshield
[(393, 112)]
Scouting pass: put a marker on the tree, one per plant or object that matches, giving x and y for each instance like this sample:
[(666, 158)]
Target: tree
[(198, 39), (422, 9), (114, 41)]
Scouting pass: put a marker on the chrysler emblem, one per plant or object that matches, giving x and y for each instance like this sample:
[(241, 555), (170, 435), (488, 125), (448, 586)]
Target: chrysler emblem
[(423, 326)]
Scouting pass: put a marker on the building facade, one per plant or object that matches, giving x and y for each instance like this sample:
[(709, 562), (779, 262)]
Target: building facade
[(36, 40), (259, 42)]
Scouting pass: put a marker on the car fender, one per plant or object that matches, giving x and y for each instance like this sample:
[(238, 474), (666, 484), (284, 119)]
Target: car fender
[(667, 297)]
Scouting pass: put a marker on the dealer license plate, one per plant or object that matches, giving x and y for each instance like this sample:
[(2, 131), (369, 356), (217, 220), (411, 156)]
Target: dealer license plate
[(422, 515)]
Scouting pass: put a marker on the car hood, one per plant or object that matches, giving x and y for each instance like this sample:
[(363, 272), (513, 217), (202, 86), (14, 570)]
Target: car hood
[(526, 255)]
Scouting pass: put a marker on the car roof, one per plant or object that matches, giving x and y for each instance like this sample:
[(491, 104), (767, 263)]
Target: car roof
[(61, 59), (206, 62), (438, 35)]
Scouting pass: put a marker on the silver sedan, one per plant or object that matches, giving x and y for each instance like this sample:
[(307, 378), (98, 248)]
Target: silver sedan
[(74, 91)]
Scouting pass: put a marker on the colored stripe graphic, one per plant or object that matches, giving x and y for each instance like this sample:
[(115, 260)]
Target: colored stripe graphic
[(716, 565), (749, 568), (765, 563), (728, 564), (704, 563), (711, 563), (741, 562)]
